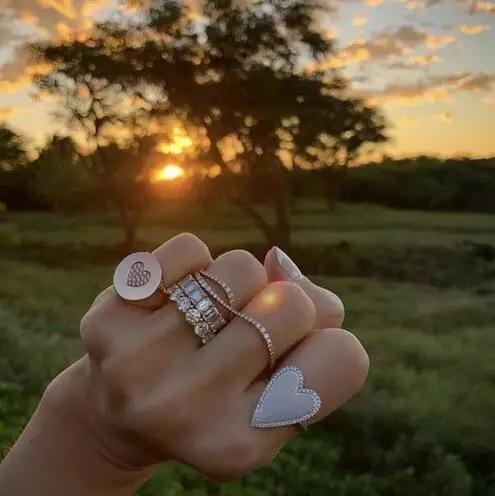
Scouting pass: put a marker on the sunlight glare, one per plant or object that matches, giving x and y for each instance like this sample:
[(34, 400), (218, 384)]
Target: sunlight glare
[(168, 172)]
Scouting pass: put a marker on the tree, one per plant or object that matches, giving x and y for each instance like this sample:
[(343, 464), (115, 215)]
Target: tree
[(121, 176), (113, 128), (61, 178), (247, 75), (12, 151)]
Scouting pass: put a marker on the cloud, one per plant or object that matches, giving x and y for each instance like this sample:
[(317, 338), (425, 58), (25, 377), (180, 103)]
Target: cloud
[(420, 4), (44, 15), (373, 3), (55, 19), (359, 21), (483, 7), (7, 113), (435, 88), (438, 41), (474, 29), (387, 44), (18, 73), (416, 62)]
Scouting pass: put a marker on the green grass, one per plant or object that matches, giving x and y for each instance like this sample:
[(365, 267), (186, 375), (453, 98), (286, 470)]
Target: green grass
[(424, 422)]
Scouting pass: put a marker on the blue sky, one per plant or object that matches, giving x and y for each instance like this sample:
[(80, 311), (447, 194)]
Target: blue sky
[(428, 64)]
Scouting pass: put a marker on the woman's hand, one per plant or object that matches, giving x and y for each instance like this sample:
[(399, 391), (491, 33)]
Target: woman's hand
[(149, 392)]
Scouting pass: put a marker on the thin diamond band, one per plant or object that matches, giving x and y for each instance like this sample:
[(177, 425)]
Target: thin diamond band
[(257, 325)]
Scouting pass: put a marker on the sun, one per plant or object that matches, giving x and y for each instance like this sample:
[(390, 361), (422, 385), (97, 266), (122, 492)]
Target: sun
[(169, 172)]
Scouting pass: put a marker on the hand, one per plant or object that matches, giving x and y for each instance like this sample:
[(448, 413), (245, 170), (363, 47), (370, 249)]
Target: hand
[(156, 394), (147, 391)]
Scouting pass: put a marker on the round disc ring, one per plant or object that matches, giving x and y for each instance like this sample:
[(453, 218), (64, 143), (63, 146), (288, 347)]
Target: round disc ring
[(138, 276)]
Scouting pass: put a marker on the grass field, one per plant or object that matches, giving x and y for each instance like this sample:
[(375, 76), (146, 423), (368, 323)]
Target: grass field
[(417, 295)]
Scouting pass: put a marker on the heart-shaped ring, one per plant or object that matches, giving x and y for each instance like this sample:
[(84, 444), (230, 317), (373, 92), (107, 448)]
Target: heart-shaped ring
[(284, 400), (138, 276)]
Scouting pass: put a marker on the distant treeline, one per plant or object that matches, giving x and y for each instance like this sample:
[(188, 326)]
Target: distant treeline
[(423, 183)]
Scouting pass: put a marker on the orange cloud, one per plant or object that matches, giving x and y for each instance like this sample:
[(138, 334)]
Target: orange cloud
[(7, 113), (359, 21), (473, 29), (373, 3), (46, 15), (389, 44), (438, 41), (19, 73), (431, 89), (416, 61), (419, 4), (486, 7)]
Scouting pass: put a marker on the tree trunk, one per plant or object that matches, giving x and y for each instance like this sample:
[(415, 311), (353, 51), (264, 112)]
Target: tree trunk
[(333, 181), (281, 231), (129, 225)]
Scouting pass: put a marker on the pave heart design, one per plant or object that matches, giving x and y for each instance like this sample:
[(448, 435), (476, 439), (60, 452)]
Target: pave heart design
[(138, 276), (284, 400)]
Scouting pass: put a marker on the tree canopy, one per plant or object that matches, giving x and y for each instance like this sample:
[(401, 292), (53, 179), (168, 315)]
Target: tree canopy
[(12, 150), (248, 77)]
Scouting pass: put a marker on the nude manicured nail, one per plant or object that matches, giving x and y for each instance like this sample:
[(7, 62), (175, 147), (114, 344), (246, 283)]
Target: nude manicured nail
[(288, 267)]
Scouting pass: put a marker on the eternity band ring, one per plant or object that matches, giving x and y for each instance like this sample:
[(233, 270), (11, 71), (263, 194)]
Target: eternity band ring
[(198, 308)]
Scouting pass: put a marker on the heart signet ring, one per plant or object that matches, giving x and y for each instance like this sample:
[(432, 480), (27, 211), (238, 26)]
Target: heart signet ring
[(138, 276)]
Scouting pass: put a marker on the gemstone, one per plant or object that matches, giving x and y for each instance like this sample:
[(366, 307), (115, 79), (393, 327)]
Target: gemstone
[(175, 293), (203, 305), (184, 304), (193, 316), (201, 329), (196, 295)]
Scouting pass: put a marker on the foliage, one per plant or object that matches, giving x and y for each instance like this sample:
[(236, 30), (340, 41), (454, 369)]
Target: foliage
[(423, 424), (61, 179), (12, 152), (426, 183)]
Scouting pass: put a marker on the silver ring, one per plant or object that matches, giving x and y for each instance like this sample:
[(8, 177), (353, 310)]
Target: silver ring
[(198, 308), (202, 303)]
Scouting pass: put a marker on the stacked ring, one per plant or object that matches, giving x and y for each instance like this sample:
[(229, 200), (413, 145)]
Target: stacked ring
[(139, 275), (198, 308)]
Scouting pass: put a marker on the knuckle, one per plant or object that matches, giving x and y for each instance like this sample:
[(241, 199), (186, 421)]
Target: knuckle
[(351, 352), (243, 264), (240, 457), (192, 246), (181, 412), (91, 330), (296, 303), (358, 357), (333, 310)]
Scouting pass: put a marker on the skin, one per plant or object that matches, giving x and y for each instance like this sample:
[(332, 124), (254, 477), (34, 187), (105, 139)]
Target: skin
[(147, 392)]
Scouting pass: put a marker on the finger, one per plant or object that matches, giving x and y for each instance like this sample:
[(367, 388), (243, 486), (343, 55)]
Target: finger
[(329, 307), (179, 256), (240, 270), (287, 314), (334, 365), (101, 297)]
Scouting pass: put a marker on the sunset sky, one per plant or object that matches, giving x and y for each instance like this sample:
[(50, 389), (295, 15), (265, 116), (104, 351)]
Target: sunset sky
[(430, 64)]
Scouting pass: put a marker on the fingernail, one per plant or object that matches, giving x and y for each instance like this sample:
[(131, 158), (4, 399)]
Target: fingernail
[(289, 268)]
